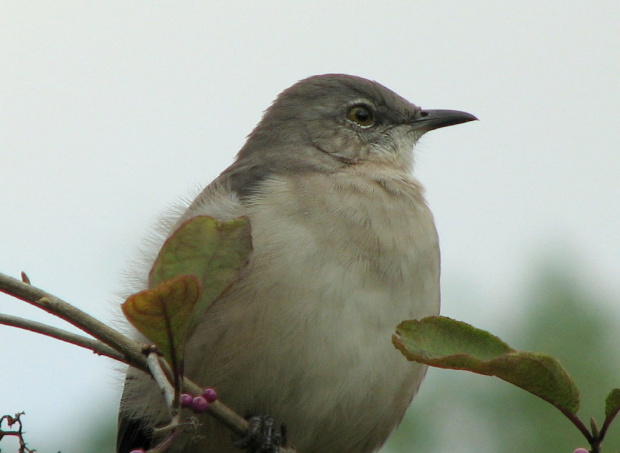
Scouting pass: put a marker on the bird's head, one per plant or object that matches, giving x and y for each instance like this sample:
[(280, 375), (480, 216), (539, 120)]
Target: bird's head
[(350, 119)]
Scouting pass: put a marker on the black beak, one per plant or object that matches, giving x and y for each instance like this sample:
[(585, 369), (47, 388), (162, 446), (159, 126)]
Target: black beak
[(427, 120)]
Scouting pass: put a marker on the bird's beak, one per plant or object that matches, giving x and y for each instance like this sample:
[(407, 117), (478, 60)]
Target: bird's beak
[(427, 120)]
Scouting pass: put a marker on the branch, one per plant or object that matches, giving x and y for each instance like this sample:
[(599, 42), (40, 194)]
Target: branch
[(75, 316), (160, 377), (94, 345), (19, 432), (131, 351)]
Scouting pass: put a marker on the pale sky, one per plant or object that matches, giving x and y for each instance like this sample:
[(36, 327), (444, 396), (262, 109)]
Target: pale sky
[(110, 111)]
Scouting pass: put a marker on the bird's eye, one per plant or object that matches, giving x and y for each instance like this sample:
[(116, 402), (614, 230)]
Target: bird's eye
[(362, 115)]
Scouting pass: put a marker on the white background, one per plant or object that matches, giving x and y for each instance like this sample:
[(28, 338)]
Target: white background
[(109, 111)]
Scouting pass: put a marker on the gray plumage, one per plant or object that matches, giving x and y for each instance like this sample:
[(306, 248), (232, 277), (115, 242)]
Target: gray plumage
[(344, 249)]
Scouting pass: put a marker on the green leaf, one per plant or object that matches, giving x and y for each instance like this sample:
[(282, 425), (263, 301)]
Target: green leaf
[(195, 266), (612, 403), (161, 314), (215, 252), (445, 343)]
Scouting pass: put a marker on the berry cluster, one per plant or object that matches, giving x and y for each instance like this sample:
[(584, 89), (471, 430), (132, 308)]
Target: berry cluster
[(200, 403)]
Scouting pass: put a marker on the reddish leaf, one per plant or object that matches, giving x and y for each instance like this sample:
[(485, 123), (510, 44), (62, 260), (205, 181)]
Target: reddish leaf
[(162, 314)]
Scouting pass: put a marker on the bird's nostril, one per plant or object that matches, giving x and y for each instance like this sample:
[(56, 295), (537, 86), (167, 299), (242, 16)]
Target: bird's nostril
[(423, 113)]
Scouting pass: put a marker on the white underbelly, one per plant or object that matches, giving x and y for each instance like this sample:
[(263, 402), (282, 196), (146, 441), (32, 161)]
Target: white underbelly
[(305, 336)]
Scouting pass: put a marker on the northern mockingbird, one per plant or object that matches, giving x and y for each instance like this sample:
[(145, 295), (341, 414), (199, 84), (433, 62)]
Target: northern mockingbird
[(344, 249)]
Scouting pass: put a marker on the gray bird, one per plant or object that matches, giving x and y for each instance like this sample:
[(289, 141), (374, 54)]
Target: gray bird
[(345, 248)]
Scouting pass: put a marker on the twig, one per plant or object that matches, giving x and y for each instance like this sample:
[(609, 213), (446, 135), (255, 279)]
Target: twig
[(70, 337), (159, 376), (75, 316), (131, 351), (19, 433)]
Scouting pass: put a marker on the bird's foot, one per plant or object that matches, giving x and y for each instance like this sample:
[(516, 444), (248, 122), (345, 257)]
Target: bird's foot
[(262, 437)]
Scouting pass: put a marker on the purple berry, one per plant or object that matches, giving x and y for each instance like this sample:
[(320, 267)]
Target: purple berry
[(139, 450), (581, 450), (186, 399), (209, 394), (199, 405)]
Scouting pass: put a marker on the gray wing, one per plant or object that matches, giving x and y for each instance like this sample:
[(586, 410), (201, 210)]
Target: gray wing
[(133, 433)]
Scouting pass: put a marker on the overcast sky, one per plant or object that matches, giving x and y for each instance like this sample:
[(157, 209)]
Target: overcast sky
[(110, 111)]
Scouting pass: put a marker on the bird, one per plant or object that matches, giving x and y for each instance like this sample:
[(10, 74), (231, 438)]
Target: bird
[(344, 248)]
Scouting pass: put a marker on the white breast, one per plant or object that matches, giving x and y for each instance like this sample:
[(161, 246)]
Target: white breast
[(339, 261)]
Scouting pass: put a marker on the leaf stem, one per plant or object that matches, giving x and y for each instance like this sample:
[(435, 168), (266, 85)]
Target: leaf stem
[(579, 425), (606, 424)]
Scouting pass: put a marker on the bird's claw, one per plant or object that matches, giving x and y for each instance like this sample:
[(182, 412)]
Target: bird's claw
[(262, 437)]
